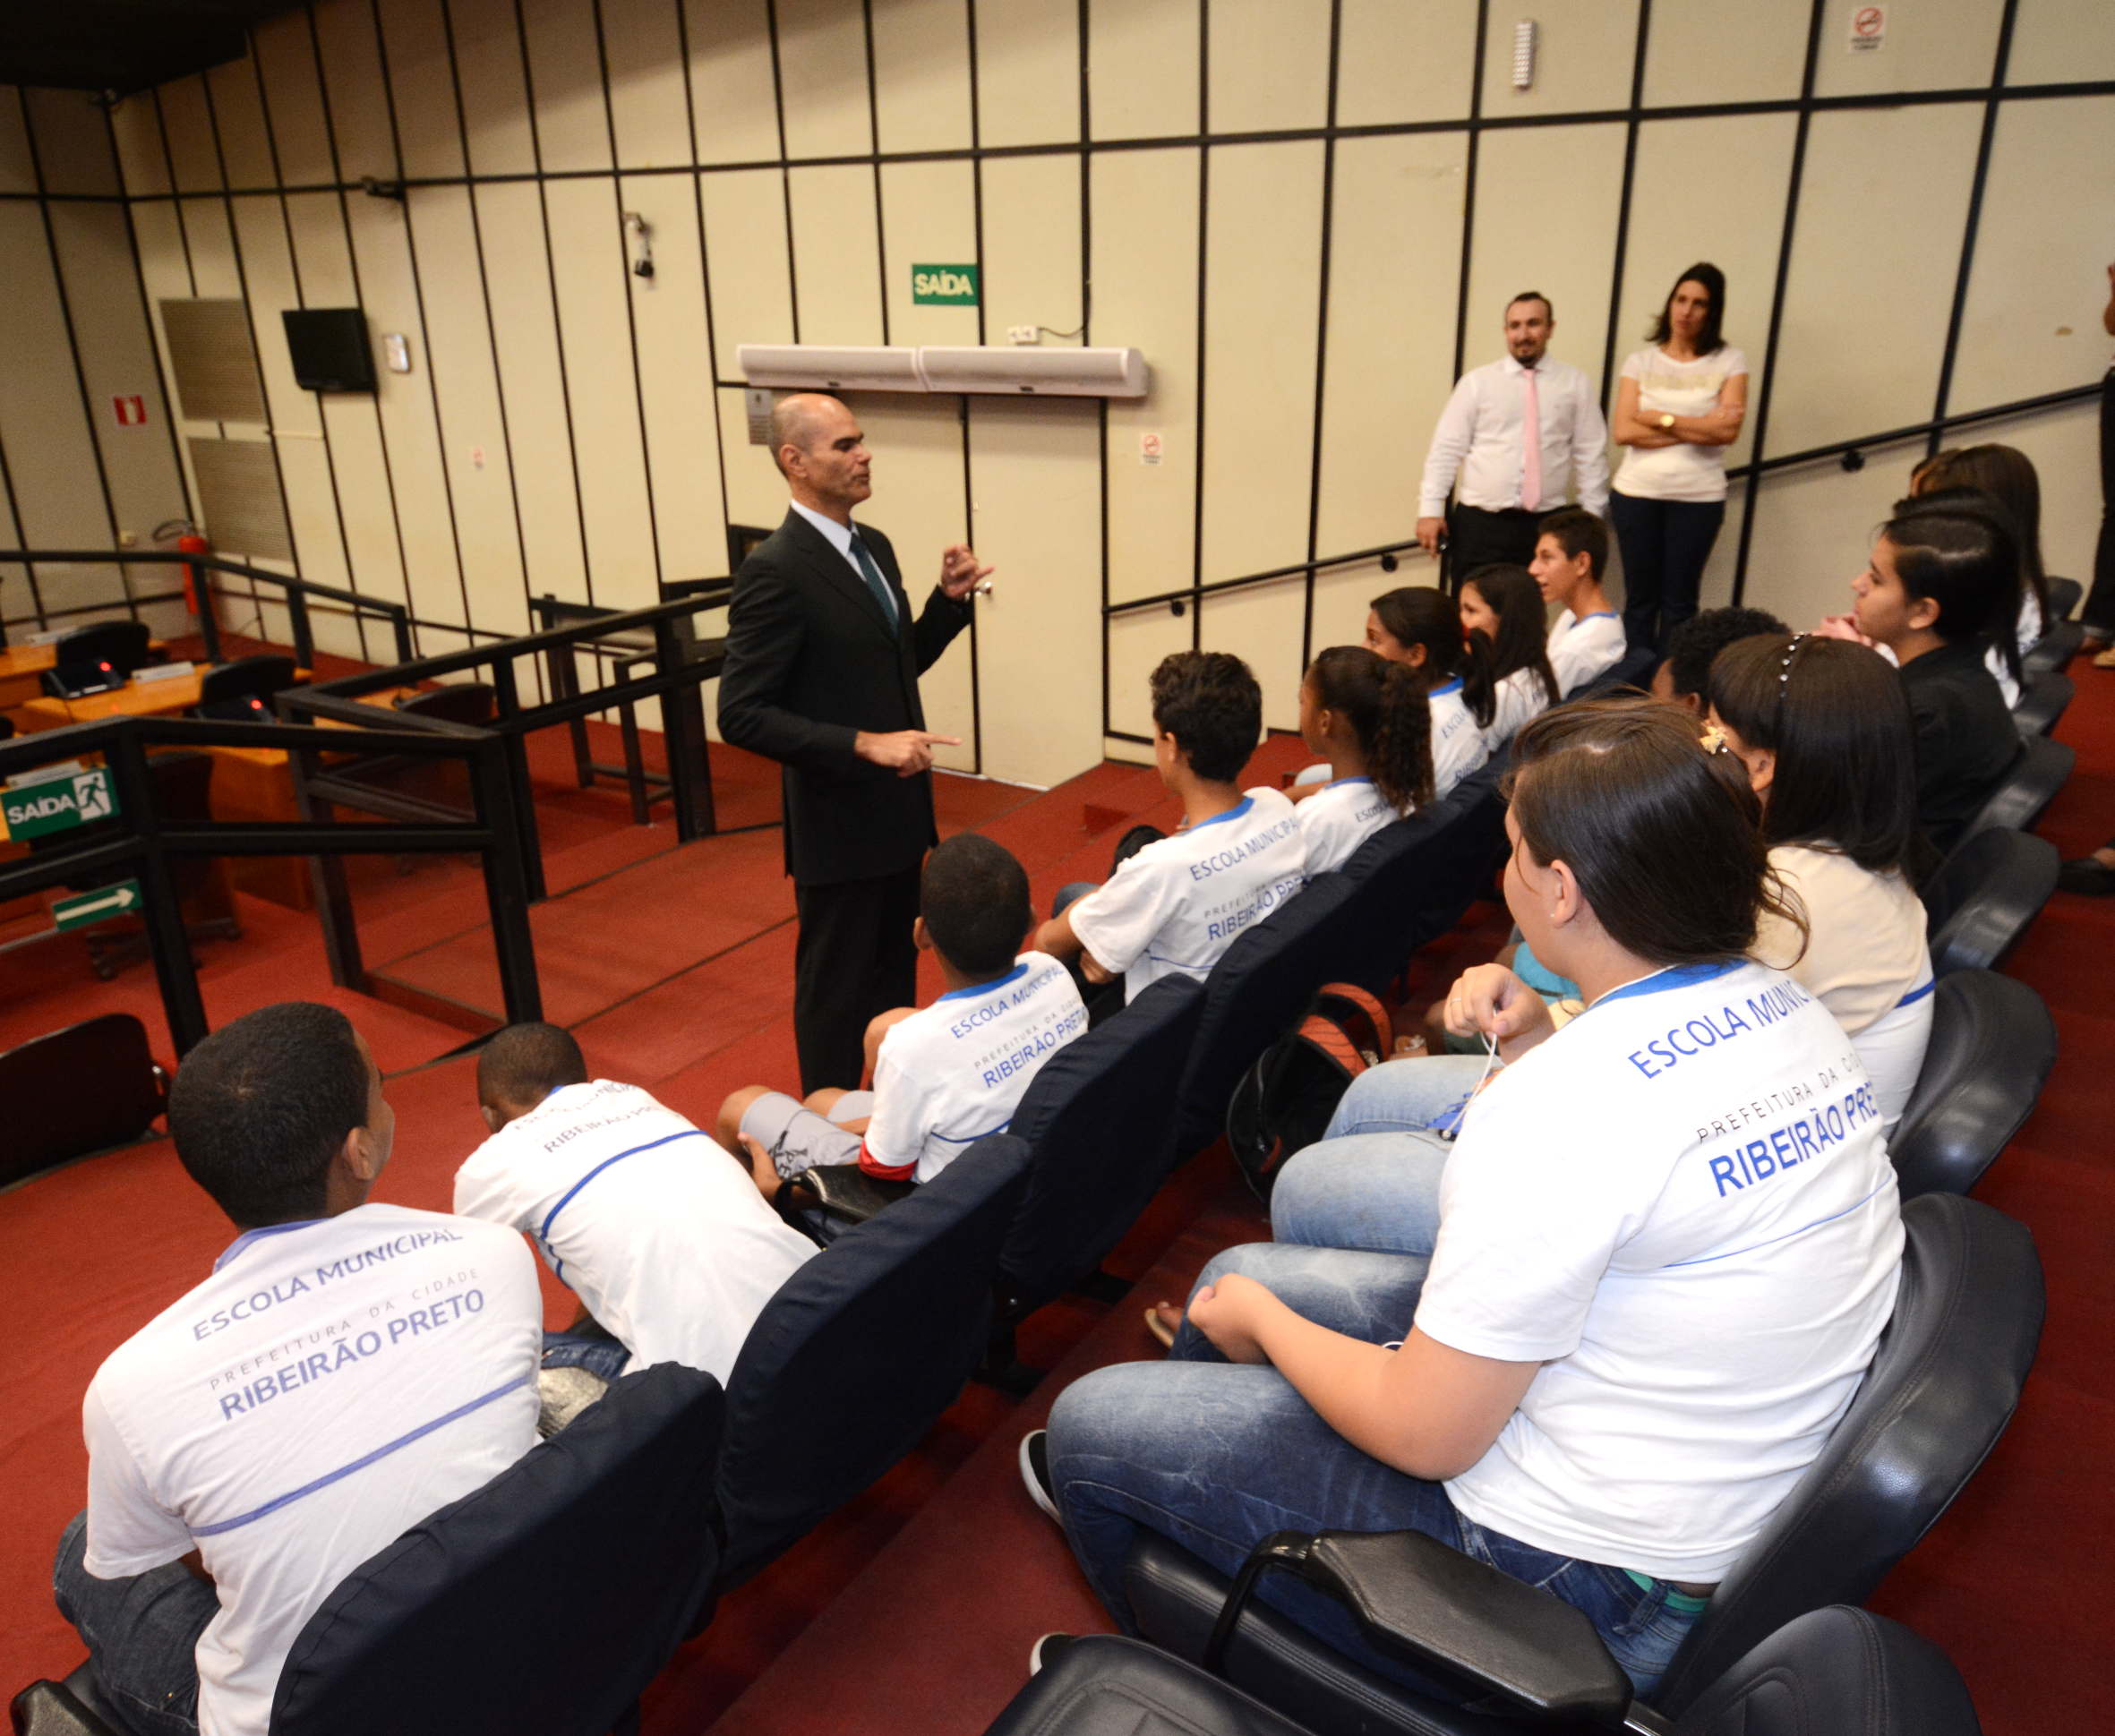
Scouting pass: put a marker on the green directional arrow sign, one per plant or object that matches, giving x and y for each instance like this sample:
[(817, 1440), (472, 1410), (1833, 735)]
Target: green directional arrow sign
[(56, 804), (97, 906)]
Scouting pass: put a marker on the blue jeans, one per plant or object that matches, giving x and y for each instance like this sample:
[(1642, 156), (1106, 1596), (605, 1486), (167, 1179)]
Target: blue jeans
[(142, 1633), (1216, 1456), (1371, 1182), (589, 1347)]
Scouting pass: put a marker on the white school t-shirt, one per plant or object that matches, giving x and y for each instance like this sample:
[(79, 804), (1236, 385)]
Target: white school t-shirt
[(1338, 818), (658, 1231), (1458, 745), (331, 1384), (1179, 904), (1681, 1205), (1584, 648), (1519, 698), (955, 1071), (1687, 472)]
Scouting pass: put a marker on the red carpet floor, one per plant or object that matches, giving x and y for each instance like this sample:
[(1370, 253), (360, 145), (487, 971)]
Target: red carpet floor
[(914, 1607)]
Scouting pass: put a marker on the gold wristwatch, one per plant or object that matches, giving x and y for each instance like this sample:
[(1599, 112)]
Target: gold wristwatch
[(1666, 420)]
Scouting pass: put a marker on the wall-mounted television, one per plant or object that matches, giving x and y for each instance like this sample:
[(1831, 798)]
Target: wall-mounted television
[(329, 348)]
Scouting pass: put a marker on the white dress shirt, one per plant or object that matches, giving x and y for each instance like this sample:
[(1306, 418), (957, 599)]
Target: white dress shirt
[(1479, 436)]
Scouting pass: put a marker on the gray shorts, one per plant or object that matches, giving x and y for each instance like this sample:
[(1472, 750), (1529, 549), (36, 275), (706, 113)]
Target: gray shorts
[(799, 1138)]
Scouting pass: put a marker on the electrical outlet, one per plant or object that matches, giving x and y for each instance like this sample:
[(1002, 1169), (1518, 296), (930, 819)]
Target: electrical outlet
[(1024, 333)]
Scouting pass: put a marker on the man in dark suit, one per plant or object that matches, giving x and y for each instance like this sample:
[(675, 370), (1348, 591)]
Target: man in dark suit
[(823, 662)]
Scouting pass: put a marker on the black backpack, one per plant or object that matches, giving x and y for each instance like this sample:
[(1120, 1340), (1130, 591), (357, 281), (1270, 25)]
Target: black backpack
[(1286, 1097)]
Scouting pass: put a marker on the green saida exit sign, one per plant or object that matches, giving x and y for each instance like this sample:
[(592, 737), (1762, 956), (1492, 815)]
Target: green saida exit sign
[(946, 285)]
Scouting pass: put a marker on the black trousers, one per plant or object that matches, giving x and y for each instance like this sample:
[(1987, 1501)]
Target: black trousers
[(854, 958), (1477, 538), (1665, 544), (2099, 612)]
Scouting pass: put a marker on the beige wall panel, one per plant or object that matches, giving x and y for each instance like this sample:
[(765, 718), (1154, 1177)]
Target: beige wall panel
[(43, 427), (756, 492), (422, 85), (1028, 73), (72, 141), (822, 66), (1706, 51), (2055, 41), (137, 130), (649, 106), (1032, 246), (351, 50), (1136, 643), (921, 75), (1395, 244), (929, 216), (1260, 333), (1144, 61), (566, 85), (285, 56), (600, 377), (1565, 249), (1937, 45), (18, 166), (676, 382), (532, 381), (238, 115), (1737, 229), (2063, 444), (1036, 473), (158, 238), (1269, 64), (745, 253), (1813, 527), (214, 271), (494, 88), (1145, 293), (734, 106), (1881, 187), (1261, 627), (466, 387), (188, 123), (1716, 588), (102, 290), (1344, 596), (1586, 52), (836, 255), (1405, 60), (2032, 323)]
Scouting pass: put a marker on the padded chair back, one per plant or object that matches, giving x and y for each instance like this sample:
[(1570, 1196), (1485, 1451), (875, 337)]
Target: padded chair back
[(2053, 649), (2043, 703), (123, 644), (474, 703), (1098, 1116), (2026, 789), (543, 1603), (1990, 889), (1838, 1672), (1633, 669), (2064, 595), (238, 691), (1992, 1045), (860, 1352), (1941, 1390), (84, 1088)]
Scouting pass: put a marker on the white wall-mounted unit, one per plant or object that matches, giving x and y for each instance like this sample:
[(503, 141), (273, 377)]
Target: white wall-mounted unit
[(831, 367)]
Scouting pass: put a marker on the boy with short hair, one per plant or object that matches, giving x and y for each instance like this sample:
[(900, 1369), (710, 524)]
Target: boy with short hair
[(945, 1075), (666, 1242), (1694, 647), (1175, 906), (1586, 640)]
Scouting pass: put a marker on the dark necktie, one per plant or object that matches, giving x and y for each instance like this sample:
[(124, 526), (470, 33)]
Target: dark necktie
[(872, 575)]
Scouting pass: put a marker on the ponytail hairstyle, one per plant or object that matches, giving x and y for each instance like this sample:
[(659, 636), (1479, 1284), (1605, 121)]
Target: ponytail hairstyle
[(1522, 640), (1419, 614), (1388, 714), (1958, 546), (1662, 832), (2008, 475)]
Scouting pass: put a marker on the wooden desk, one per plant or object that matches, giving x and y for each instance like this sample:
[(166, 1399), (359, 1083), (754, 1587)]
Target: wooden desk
[(167, 697), (20, 665)]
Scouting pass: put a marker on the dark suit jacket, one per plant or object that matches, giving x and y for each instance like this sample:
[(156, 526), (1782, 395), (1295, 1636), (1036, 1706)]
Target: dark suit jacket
[(811, 660)]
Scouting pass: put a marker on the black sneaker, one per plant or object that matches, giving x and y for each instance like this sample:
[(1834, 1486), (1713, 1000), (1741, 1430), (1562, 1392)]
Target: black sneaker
[(1035, 1471)]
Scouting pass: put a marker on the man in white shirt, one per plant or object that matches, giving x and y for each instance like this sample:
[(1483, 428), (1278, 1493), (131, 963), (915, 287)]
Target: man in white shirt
[(346, 1370), (1506, 482), (670, 1249)]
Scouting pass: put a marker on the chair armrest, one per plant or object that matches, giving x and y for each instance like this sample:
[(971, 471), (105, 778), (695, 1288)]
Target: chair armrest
[(1414, 1596), (846, 1192), (49, 1709)]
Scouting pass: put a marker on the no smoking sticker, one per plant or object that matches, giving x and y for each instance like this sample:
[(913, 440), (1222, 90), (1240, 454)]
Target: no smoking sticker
[(1869, 29)]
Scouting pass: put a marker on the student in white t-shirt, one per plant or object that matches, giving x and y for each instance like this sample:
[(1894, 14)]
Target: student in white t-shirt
[(1668, 1243), (1504, 606), (663, 1240), (1177, 906), (1823, 729), (345, 1371), (1586, 640), (945, 1075), (1679, 405), (1368, 719)]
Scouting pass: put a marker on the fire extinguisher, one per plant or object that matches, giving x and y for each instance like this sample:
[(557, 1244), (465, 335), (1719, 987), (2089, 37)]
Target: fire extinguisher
[(195, 586)]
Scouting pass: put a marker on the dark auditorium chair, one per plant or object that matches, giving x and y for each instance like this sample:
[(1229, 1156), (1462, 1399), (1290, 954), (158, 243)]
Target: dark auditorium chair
[(1985, 896), (85, 1089), (240, 692), (2041, 703), (1834, 1672), (542, 1604), (125, 645), (2065, 594), (2026, 789), (2053, 649), (1942, 1386), (1993, 1046)]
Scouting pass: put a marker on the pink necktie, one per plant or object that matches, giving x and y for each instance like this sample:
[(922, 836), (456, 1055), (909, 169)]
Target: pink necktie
[(1531, 443)]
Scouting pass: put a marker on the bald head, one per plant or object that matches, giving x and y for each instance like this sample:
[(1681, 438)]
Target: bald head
[(817, 444), (798, 420)]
